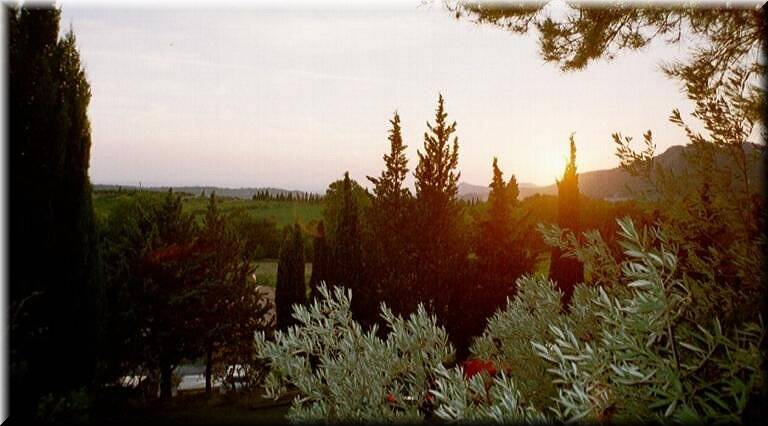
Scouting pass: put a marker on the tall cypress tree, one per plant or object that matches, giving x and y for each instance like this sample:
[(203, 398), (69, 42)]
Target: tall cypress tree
[(502, 245), (54, 263), (291, 288), (567, 271), (321, 267), (500, 239), (439, 245), (389, 254), (347, 250), (388, 187)]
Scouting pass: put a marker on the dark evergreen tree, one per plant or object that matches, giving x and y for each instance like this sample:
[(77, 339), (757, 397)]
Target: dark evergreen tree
[(438, 239), (321, 266), (502, 245), (229, 307), (54, 270), (290, 288), (389, 253), (347, 251), (333, 204), (564, 270), (502, 237)]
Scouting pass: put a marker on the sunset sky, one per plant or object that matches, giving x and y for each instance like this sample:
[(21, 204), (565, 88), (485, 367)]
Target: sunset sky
[(292, 97)]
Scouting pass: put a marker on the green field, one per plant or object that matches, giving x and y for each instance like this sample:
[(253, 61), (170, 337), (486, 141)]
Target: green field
[(282, 212), (266, 272)]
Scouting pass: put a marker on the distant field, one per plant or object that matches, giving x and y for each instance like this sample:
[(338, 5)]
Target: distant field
[(282, 212), (266, 272)]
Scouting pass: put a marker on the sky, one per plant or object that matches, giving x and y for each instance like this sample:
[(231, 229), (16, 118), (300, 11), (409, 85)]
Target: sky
[(293, 97)]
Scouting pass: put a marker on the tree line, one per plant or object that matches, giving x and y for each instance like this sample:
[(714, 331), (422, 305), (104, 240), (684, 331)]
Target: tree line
[(402, 248), (266, 195)]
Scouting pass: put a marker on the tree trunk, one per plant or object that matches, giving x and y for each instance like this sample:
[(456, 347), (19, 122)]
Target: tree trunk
[(208, 368), (166, 372)]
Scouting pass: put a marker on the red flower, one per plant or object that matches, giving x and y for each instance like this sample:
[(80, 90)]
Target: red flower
[(475, 366), (390, 398)]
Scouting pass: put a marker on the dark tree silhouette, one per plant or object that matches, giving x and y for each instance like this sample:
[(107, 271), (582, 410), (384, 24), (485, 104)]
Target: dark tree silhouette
[(564, 270), (502, 245), (161, 286), (230, 309), (54, 262), (503, 238), (389, 254), (290, 288), (438, 239), (174, 291), (333, 204), (321, 261), (347, 251)]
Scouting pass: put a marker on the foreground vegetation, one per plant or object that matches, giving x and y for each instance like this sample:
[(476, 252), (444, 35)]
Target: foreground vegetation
[(418, 306), (634, 347)]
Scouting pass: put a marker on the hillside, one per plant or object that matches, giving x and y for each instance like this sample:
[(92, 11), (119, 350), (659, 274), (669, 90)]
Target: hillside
[(468, 191), (611, 184)]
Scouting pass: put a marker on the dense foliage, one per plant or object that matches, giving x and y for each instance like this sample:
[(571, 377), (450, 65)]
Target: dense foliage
[(564, 270), (347, 247), (347, 374), (439, 247), (321, 261), (174, 291), (54, 270), (389, 249), (290, 288), (632, 348)]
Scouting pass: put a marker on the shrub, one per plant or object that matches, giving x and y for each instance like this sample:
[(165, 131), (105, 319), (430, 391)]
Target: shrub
[(346, 374), (651, 358)]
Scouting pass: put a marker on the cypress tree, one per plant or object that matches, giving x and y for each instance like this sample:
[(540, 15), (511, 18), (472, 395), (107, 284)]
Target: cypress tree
[(501, 255), (567, 271), (347, 251), (440, 249), (54, 269), (390, 255), (501, 244), (290, 288), (320, 261)]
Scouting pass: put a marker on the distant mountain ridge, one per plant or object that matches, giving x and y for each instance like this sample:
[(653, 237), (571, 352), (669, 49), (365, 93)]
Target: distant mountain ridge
[(245, 193), (609, 184), (468, 191)]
